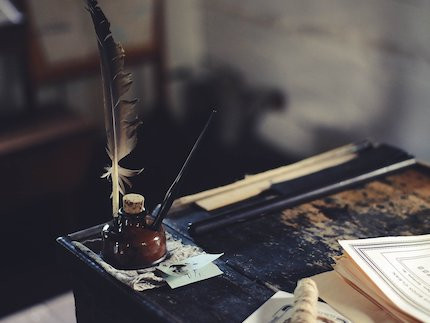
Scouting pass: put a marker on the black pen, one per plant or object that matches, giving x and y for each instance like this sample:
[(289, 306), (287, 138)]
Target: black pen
[(160, 211)]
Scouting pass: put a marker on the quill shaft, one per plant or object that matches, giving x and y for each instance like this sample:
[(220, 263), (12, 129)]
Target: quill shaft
[(115, 176), (115, 188)]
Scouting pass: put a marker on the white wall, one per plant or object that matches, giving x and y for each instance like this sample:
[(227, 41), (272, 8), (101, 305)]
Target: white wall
[(352, 69), (184, 43), (184, 33)]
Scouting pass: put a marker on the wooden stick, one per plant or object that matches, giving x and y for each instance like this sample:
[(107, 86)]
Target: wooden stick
[(232, 196), (349, 149)]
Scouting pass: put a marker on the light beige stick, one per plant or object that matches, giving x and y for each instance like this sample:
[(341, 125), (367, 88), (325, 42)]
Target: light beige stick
[(338, 152), (239, 194), (305, 308)]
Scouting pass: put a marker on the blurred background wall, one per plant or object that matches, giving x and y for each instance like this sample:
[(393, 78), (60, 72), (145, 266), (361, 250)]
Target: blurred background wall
[(290, 79), (351, 69)]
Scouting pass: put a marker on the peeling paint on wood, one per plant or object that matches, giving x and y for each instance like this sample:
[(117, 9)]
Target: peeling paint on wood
[(280, 248), (397, 205)]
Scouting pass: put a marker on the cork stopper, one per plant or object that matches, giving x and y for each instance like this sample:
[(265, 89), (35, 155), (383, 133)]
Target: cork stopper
[(133, 203)]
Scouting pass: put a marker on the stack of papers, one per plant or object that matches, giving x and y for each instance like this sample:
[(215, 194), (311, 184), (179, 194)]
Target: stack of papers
[(380, 280), (190, 270)]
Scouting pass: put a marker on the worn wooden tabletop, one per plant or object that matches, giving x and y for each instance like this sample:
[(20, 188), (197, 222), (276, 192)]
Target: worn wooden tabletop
[(278, 249), (270, 252)]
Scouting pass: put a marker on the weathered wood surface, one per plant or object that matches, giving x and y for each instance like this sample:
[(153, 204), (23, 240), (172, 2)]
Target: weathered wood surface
[(280, 248), (269, 252), (100, 297)]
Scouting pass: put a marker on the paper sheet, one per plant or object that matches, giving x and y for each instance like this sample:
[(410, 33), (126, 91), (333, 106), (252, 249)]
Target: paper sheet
[(278, 309), (188, 265), (208, 271), (400, 267)]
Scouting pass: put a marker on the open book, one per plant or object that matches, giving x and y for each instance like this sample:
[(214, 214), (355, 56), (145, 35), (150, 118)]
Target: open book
[(380, 280)]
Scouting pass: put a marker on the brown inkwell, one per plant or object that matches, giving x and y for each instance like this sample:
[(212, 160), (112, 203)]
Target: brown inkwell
[(129, 240)]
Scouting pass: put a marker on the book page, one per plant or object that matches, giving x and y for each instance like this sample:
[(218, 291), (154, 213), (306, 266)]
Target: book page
[(348, 301), (353, 276), (400, 267), (278, 309)]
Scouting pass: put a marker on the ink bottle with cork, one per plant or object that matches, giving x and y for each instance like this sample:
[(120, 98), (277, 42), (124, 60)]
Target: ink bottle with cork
[(129, 241)]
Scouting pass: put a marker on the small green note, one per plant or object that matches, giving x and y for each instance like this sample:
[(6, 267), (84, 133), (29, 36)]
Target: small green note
[(208, 271), (187, 265)]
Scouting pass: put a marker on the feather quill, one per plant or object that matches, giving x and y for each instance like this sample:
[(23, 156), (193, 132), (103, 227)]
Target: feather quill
[(121, 118)]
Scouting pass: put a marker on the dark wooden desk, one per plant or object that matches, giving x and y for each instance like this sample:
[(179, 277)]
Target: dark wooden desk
[(262, 255)]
